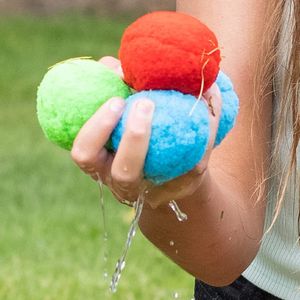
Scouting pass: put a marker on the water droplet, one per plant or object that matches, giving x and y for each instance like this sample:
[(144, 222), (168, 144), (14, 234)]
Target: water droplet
[(146, 192), (172, 243), (176, 251), (105, 235), (175, 295), (230, 238), (125, 169), (181, 216), (133, 233), (138, 205)]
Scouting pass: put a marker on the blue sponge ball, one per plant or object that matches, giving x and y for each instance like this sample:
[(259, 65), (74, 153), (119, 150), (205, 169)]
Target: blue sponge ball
[(224, 83), (178, 140), (230, 107)]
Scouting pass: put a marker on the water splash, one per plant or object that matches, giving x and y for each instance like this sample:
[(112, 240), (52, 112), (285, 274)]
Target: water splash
[(105, 235), (138, 206), (181, 216)]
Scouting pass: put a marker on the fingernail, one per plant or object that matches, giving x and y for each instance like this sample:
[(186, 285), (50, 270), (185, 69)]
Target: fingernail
[(117, 105), (144, 108)]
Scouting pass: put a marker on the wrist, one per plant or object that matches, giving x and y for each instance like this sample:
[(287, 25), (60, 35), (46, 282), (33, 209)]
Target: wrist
[(204, 189), (191, 185)]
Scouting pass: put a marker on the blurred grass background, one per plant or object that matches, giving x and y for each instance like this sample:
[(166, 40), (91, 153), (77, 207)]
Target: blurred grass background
[(50, 220)]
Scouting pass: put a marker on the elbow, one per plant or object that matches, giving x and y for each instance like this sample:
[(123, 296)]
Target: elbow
[(217, 281), (219, 277), (225, 271)]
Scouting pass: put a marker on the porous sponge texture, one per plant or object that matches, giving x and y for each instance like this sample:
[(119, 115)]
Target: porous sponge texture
[(178, 140), (69, 95), (229, 109), (169, 51)]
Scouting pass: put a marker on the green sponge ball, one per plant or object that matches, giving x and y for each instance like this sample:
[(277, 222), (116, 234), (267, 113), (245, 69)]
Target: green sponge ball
[(64, 105)]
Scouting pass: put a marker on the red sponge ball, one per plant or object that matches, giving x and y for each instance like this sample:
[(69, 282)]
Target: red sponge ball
[(169, 50)]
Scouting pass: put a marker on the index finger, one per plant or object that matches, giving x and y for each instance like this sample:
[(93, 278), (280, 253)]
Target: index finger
[(95, 133)]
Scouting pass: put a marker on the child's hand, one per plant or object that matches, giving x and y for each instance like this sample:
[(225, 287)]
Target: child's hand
[(122, 172)]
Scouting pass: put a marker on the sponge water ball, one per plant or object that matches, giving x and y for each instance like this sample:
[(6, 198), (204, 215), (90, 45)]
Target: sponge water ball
[(178, 140), (230, 107), (70, 93), (169, 51)]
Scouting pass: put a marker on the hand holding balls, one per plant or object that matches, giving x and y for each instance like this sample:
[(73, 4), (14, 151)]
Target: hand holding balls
[(168, 73), (70, 93)]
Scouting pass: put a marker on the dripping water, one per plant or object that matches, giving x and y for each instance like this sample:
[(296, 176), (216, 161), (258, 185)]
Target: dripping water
[(138, 206), (181, 216), (105, 235)]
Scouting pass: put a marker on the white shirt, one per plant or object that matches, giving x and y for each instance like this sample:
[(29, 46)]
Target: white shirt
[(276, 268)]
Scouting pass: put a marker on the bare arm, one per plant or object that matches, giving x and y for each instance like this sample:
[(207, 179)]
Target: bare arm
[(224, 227), (221, 236)]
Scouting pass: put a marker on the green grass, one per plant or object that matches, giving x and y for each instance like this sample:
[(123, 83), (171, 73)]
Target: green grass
[(50, 221)]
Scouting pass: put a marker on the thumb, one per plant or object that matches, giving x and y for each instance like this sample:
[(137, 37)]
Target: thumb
[(112, 63)]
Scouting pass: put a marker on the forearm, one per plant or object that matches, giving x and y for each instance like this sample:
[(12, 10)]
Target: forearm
[(216, 243), (226, 214)]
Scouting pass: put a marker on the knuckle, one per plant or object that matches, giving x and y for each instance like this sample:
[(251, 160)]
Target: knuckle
[(82, 158), (123, 179), (107, 123), (136, 133)]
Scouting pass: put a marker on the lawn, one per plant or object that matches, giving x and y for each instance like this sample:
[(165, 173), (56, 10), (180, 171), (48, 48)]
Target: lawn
[(51, 229)]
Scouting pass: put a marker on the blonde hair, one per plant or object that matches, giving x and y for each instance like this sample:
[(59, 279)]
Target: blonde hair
[(278, 70)]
